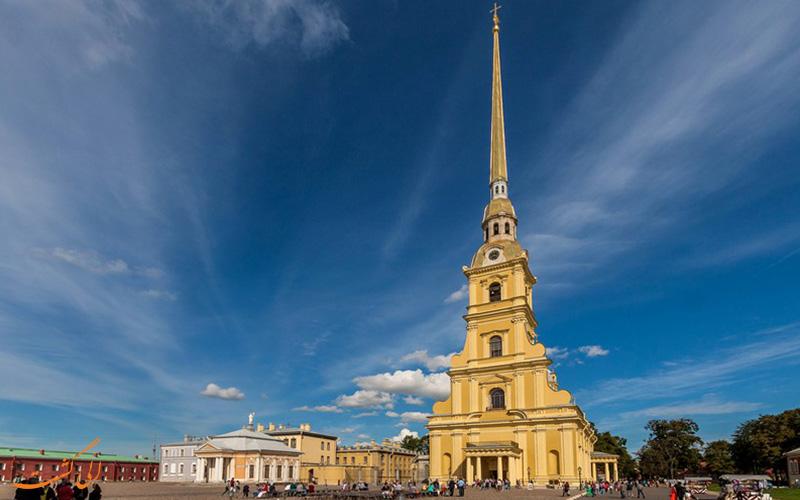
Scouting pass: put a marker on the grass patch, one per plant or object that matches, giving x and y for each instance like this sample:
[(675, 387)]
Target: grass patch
[(785, 493)]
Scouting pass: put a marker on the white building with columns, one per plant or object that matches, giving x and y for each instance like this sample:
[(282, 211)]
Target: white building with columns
[(248, 456)]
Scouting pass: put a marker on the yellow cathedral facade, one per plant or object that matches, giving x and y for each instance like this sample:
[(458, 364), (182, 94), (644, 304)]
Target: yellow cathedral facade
[(506, 417)]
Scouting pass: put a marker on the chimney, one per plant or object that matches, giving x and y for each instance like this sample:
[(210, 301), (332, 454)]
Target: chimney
[(260, 427), (41, 452), (271, 426), (187, 438)]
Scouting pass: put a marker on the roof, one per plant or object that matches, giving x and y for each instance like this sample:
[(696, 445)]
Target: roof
[(293, 431), (511, 250), (601, 454), (185, 443), (499, 206), (60, 455), (247, 440), (698, 478), (793, 452)]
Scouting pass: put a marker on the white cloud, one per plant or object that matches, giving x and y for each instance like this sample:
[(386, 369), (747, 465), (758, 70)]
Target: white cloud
[(366, 414), (403, 433), (363, 436), (320, 408), (592, 351), (366, 399), (458, 295), (412, 400), (315, 26), (408, 382), (556, 352), (432, 363), (347, 430), (409, 416), (93, 262), (215, 391)]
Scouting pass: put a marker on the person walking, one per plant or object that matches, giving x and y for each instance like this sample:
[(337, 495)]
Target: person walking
[(565, 493), (461, 485), (639, 490)]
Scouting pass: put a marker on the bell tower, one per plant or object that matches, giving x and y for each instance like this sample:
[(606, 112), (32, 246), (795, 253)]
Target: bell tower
[(506, 417)]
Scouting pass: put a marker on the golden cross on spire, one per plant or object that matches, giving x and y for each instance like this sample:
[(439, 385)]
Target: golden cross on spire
[(494, 11)]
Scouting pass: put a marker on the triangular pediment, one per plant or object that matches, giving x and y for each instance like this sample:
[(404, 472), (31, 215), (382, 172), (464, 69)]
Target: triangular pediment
[(494, 379)]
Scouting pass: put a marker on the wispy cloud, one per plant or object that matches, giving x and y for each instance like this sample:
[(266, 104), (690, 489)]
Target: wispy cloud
[(728, 365), (412, 400), (320, 408), (593, 351), (314, 26), (366, 399), (682, 119), (708, 405)]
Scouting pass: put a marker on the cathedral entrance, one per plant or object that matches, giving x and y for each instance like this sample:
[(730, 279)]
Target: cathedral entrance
[(497, 461)]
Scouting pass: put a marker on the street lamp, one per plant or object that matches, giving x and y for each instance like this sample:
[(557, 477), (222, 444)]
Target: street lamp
[(580, 483)]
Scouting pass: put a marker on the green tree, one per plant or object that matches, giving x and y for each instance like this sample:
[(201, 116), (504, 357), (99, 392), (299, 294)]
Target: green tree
[(718, 457), (413, 443), (759, 444), (672, 445), (608, 443)]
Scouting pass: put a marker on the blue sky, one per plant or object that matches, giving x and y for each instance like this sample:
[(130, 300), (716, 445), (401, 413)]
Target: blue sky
[(277, 198)]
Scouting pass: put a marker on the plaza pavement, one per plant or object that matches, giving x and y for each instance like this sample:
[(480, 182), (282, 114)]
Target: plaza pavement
[(177, 491)]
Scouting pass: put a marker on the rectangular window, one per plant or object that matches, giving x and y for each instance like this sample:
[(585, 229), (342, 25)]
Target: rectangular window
[(105, 468), (122, 469), (353, 460), (291, 471), (21, 467), (54, 468), (252, 470), (2, 477), (37, 467), (3, 466), (180, 469), (280, 471), (194, 468), (105, 478), (337, 460), (322, 446), (328, 460), (166, 469), (171, 468), (365, 459), (134, 469)]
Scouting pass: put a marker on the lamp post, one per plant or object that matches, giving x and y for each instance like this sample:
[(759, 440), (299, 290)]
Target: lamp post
[(580, 483)]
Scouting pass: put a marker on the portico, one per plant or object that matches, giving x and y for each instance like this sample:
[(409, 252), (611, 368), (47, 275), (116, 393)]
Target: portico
[(498, 460)]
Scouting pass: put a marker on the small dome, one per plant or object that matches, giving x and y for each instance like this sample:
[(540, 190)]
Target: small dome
[(511, 250), (499, 206)]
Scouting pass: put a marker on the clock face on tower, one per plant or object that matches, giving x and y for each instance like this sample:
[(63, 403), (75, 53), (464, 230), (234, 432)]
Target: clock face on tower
[(494, 254)]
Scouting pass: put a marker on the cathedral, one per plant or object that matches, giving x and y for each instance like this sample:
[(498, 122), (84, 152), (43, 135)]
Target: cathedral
[(506, 417)]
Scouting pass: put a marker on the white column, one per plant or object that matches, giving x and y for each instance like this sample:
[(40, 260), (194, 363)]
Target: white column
[(608, 477), (470, 472), (285, 471), (273, 471), (478, 467), (259, 468), (500, 468), (512, 470)]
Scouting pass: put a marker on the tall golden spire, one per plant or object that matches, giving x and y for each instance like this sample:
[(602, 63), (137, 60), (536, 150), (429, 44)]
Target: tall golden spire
[(498, 152)]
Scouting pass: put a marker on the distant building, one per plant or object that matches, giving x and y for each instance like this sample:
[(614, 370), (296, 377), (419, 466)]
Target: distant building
[(389, 460), (16, 462), (247, 455), (793, 467), (179, 460), (319, 450), (421, 468)]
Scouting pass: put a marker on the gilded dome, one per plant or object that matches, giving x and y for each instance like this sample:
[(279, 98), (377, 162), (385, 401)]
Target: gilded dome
[(499, 206)]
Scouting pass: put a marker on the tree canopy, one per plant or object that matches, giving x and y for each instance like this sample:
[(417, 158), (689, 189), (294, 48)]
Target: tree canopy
[(673, 445), (608, 443), (759, 444), (413, 443)]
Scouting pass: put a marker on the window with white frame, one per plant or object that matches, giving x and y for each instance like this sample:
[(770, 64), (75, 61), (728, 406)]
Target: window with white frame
[(180, 468), (194, 468), (166, 468)]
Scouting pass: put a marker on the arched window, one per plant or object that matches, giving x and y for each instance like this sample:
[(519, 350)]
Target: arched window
[(498, 398), (502, 189), (508, 228), (496, 228), (486, 235), (494, 292), (496, 189), (495, 346)]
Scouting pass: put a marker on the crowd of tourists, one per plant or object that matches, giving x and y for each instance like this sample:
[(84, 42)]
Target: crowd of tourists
[(63, 490), (623, 488)]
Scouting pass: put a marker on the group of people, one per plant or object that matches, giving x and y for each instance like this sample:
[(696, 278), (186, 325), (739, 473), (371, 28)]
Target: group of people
[(234, 489), (492, 484), (623, 488), (64, 490)]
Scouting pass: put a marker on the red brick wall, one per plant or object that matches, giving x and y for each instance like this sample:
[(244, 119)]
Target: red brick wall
[(119, 471)]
